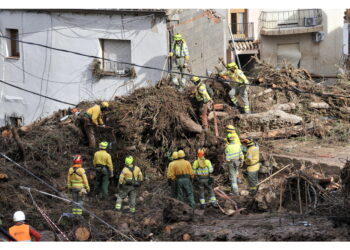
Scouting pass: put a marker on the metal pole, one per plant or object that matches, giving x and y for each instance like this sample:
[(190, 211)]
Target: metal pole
[(234, 48)]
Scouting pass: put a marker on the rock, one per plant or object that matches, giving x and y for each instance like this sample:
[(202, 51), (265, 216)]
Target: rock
[(244, 193), (47, 236), (186, 237), (124, 227), (176, 211)]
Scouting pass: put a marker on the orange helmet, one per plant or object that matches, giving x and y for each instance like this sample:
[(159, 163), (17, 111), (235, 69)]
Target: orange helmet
[(201, 152), (77, 159)]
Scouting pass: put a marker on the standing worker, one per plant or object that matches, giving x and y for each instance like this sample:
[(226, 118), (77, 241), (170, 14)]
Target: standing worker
[(202, 169), (252, 159), (234, 160), (130, 180), (181, 56), (92, 117), (238, 86), (182, 173), (203, 99), (77, 182), (21, 231), (172, 183), (104, 170)]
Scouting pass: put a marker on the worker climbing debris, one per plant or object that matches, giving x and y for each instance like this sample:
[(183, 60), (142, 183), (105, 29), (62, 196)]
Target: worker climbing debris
[(203, 169), (171, 183), (203, 99), (182, 173), (230, 129), (130, 180), (239, 86), (92, 117), (104, 170), (21, 231), (78, 184), (234, 160), (251, 160), (180, 55)]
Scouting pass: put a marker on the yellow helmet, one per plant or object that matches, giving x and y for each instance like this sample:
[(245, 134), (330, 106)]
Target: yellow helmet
[(177, 37), (181, 154), (232, 65), (104, 104), (230, 128), (103, 145), (230, 137), (195, 79), (248, 141), (175, 156), (129, 160)]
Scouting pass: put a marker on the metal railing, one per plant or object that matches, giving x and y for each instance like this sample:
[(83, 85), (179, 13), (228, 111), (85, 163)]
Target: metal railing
[(290, 18), (243, 31)]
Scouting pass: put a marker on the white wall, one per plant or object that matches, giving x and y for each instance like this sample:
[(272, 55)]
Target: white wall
[(70, 77)]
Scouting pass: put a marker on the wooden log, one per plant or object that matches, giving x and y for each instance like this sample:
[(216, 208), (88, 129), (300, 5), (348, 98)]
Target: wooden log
[(18, 141), (82, 233), (281, 132), (284, 106), (266, 91), (189, 125), (318, 105), (218, 114)]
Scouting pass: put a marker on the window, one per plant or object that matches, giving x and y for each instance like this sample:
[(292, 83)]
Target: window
[(117, 50), (239, 23), (12, 45)]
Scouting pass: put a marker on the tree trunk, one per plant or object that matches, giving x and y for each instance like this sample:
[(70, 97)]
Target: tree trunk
[(189, 125)]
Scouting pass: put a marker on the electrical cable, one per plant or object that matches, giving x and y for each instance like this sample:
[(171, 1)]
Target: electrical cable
[(293, 89), (34, 93)]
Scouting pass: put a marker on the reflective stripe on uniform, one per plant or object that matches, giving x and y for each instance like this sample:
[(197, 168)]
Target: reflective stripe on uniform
[(202, 201)]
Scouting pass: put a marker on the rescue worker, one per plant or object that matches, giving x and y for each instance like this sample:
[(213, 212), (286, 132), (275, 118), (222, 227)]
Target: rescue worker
[(238, 87), (230, 129), (252, 158), (130, 180), (202, 169), (203, 99), (21, 231), (182, 173), (92, 117), (78, 183), (171, 183), (234, 160), (104, 170), (181, 56)]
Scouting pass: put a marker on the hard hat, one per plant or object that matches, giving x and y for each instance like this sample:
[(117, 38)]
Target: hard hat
[(230, 136), (232, 65), (77, 159), (104, 104), (174, 156), (19, 216), (103, 145), (129, 160), (201, 152), (195, 79), (177, 37), (181, 154), (248, 141), (230, 128)]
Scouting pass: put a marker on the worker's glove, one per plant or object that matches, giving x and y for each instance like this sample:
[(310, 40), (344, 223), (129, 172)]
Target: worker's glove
[(185, 65), (210, 105), (187, 58), (102, 126), (87, 189), (82, 192), (171, 54), (112, 175)]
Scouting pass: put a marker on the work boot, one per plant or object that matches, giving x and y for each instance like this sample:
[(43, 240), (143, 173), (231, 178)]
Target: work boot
[(202, 206)]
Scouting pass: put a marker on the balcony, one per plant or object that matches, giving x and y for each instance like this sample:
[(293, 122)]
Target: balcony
[(290, 22), (243, 31)]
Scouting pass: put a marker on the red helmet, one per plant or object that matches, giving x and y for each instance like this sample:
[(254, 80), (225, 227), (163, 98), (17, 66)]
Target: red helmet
[(77, 159), (201, 152)]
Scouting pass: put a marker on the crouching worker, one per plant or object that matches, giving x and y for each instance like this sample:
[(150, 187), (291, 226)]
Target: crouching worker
[(252, 159), (78, 184), (129, 180), (21, 231), (202, 169)]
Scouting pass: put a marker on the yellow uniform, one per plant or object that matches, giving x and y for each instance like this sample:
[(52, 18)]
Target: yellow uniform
[(180, 167), (202, 93), (103, 158), (77, 178), (95, 114), (127, 175)]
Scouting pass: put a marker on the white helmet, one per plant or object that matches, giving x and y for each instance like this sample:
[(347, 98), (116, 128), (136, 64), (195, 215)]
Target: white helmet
[(19, 216)]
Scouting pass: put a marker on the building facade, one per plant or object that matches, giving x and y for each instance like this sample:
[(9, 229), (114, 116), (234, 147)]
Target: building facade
[(130, 36)]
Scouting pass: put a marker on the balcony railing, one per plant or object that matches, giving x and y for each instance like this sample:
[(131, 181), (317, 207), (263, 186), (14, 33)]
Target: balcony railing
[(243, 31), (290, 19)]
